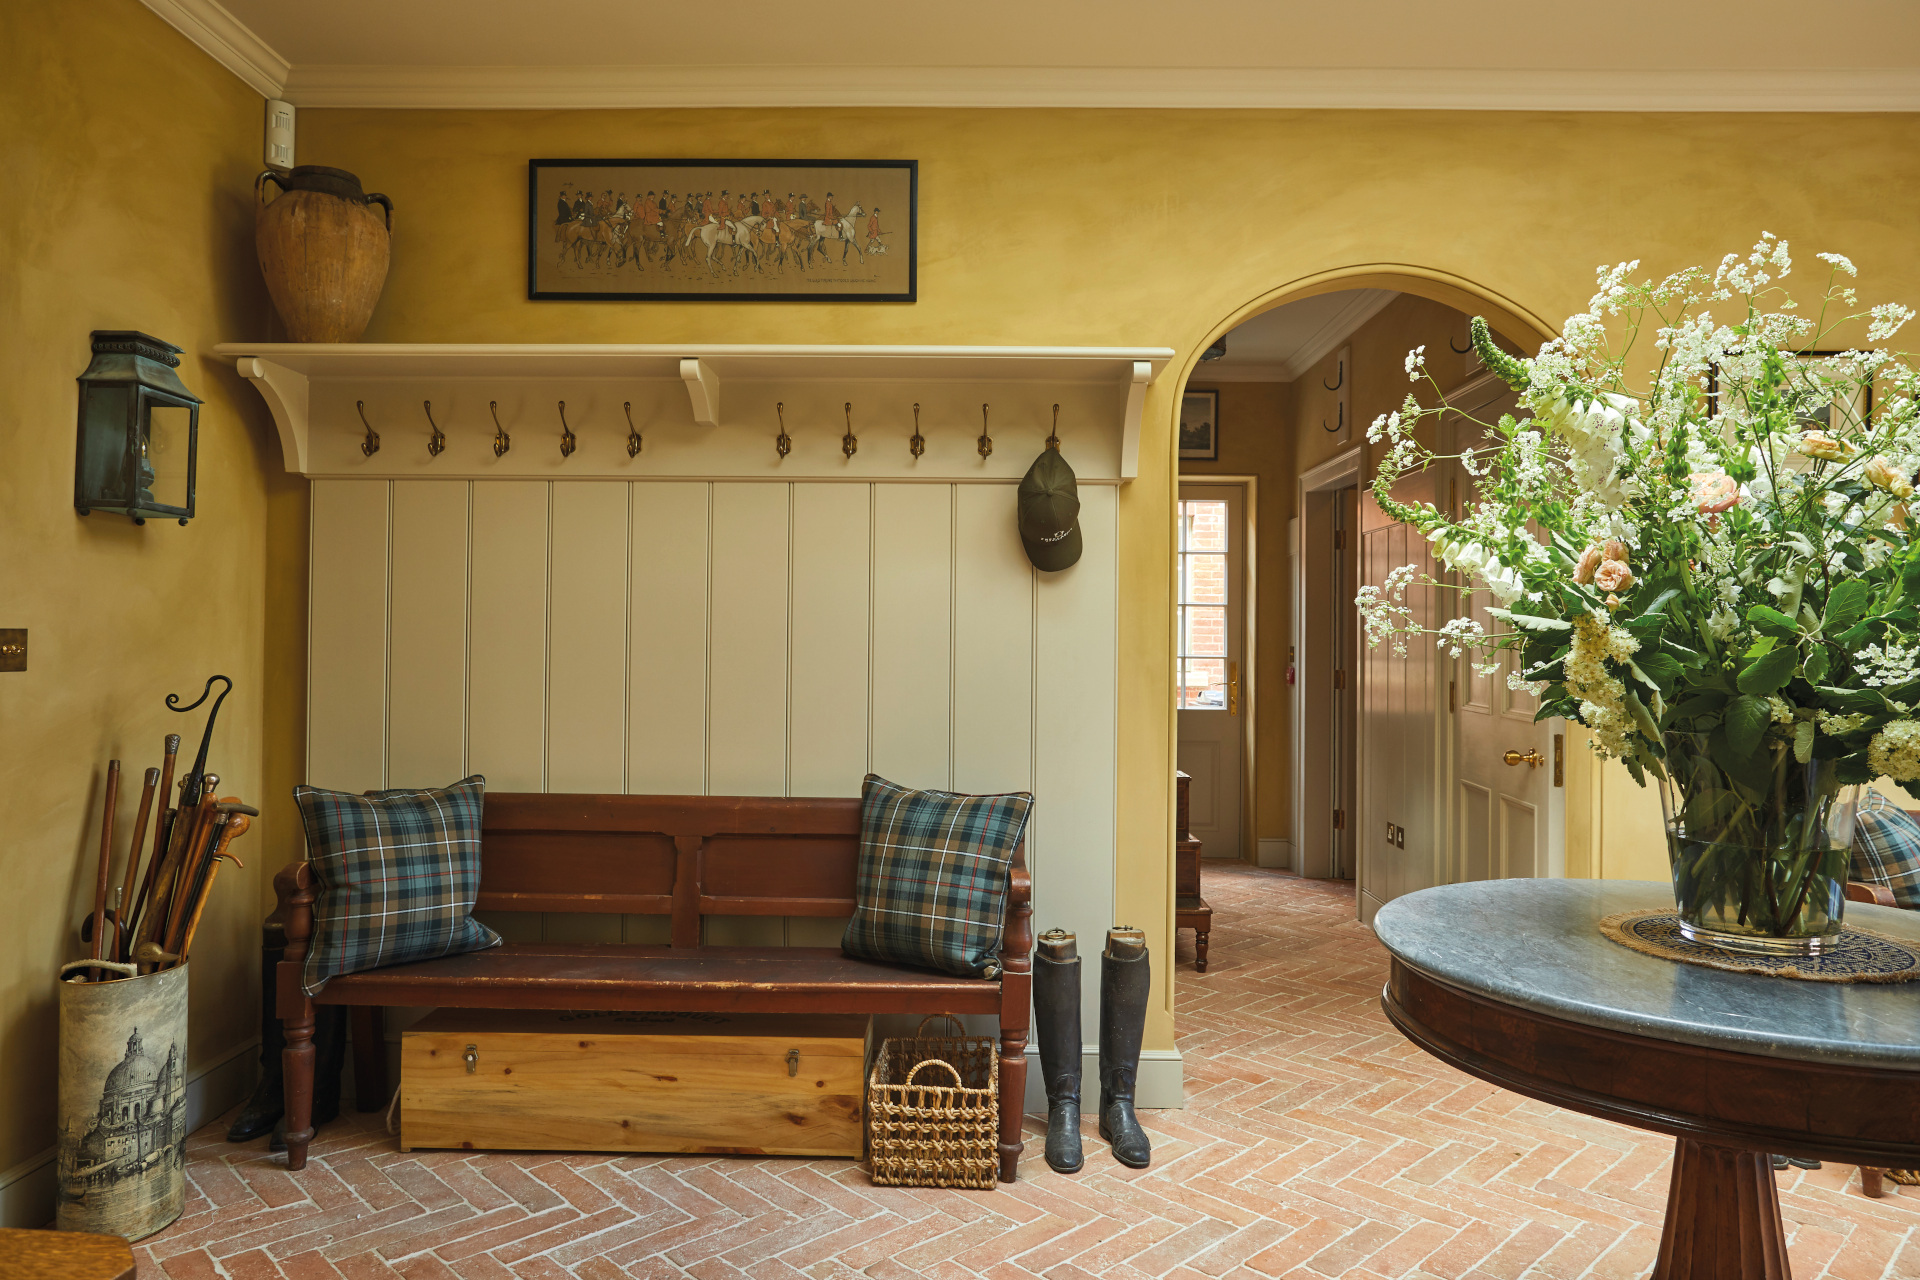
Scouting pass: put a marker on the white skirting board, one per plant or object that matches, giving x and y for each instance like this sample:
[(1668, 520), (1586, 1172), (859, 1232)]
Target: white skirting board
[(26, 1190), (1161, 1082), (1275, 854)]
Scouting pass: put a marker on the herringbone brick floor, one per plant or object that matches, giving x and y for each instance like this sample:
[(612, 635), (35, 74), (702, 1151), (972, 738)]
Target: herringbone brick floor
[(1316, 1142)]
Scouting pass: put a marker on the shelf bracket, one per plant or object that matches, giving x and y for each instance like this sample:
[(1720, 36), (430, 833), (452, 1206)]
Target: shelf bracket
[(1136, 405), (285, 392), (703, 389)]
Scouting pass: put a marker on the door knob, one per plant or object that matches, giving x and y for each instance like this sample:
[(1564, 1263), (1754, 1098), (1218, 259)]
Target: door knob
[(1233, 688), (1533, 759)]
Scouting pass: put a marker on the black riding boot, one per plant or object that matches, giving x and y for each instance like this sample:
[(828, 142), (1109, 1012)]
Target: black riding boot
[(258, 1116), (1124, 979), (1056, 1015)]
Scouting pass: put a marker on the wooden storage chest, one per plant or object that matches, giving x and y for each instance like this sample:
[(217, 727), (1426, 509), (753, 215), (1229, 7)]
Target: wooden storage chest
[(601, 1080)]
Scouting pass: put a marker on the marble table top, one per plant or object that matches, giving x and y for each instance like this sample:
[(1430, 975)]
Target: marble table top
[(1534, 944)]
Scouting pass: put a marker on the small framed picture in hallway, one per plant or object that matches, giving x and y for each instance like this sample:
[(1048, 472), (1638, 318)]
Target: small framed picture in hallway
[(1200, 426), (730, 230)]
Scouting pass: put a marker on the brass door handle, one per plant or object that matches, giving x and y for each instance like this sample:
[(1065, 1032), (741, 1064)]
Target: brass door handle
[(1533, 759), (1233, 688)]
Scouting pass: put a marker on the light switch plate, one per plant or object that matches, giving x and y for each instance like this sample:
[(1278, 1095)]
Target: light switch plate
[(13, 648)]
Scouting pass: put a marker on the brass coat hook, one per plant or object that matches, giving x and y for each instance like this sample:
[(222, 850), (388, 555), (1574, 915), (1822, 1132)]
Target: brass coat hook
[(437, 442), (782, 442), (1053, 437), (501, 440), (985, 442), (1340, 379), (567, 442), (633, 432), (849, 443), (918, 444), (371, 445)]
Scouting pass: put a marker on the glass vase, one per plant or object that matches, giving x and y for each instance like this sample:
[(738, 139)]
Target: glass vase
[(1759, 847)]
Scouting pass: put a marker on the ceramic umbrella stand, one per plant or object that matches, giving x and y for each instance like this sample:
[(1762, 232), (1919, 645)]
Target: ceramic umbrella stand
[(123, 1099)]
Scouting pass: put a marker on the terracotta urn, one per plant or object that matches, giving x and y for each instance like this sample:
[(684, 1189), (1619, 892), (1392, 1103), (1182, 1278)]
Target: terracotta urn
[(323, 250)]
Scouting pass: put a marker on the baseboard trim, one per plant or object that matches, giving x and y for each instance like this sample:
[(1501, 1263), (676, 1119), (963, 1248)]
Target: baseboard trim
[(1274, 854), (1162, 1081), (26, 1190)]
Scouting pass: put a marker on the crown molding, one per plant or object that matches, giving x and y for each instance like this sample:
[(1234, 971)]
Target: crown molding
[(547, 87), (228, 41), (1340, 326)]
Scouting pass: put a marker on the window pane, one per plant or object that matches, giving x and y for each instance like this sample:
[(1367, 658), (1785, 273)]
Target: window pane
[(1206, 632), (1203, 685), (1205, 525), (1204, 580)]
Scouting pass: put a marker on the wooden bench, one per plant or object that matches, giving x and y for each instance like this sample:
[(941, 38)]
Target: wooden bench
[(683, 857)]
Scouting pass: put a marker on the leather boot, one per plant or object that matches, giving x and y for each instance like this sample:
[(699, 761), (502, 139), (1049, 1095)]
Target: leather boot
[(258, 1116), (1056, 1015), (1124, 978)]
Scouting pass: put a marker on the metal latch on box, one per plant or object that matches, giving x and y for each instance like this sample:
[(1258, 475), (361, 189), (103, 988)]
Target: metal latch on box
[(793, 1062), (472, 1056)]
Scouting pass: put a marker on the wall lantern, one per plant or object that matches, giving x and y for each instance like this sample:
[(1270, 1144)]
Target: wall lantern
[(139, 427)]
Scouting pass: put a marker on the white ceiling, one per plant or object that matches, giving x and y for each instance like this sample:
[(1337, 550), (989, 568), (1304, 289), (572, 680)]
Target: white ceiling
[(1659, 54), (1281, 344)]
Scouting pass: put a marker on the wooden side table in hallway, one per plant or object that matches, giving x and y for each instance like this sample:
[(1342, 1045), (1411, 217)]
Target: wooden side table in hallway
[(1511, 981)]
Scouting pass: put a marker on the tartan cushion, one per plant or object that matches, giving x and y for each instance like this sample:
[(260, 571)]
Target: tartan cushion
[(1886, 849), (931, 886), (398, 872)]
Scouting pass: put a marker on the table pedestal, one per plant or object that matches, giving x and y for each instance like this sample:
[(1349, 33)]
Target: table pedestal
[(1723, 1217)]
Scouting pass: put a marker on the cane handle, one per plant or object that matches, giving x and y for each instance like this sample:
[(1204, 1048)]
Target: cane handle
[(125, 970)]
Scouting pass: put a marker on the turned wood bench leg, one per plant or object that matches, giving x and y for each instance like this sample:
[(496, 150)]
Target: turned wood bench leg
[(1873, 1182), (295, 888), (1200, 949)]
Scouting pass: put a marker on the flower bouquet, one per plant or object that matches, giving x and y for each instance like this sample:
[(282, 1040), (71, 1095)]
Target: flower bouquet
[(1698, 536)]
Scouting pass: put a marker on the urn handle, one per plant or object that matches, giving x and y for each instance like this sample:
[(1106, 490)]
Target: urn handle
[(260, 185), (377, 198)]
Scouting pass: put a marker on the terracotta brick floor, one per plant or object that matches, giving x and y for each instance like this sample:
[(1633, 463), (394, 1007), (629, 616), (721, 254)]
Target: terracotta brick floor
[(1315, 1142)]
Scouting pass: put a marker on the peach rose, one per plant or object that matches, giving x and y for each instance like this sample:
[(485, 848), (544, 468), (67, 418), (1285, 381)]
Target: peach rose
[(1714, 491), (1613, 575), (1882, 474), (1818, 444), (1616, 549), (1898, 516), (1613, 602), (1589, 561)]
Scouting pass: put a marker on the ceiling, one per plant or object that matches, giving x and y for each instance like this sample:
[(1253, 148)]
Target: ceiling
[(1281, 344), (1658, 54)]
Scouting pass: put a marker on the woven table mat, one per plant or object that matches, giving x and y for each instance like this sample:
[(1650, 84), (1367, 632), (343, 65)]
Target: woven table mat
[(1855, 956)]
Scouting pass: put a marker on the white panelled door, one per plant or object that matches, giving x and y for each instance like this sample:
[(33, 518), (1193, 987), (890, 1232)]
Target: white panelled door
[(1212, 609)]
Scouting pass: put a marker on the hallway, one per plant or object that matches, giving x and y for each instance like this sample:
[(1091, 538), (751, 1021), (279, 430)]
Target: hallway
[(1316, 1142)]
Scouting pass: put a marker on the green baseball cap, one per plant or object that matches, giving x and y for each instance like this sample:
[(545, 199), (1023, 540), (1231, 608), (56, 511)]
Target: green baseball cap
[(1050, 513)]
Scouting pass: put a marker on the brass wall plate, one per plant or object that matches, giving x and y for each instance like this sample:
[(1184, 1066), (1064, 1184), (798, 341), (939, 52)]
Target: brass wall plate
[(13, 648)]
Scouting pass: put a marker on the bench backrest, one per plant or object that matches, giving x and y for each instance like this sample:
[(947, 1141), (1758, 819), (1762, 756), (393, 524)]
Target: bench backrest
[(678, 856)]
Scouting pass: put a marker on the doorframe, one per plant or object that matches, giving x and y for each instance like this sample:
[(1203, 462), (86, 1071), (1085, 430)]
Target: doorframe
[(1249, 652), (1339, 472)]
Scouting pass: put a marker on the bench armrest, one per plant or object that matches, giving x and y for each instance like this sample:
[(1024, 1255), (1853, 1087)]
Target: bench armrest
[(1878, 894)]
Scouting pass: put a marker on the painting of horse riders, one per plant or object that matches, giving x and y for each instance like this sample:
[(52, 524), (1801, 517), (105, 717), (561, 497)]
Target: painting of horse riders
[(743, 230)]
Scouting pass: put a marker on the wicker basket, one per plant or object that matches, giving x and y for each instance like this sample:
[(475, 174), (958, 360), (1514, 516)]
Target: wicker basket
[(933, 1111)]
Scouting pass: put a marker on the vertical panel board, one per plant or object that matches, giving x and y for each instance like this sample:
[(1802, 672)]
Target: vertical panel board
[(992, 644), (347, 636), (827, 753), (747, 705), (587, 639), (506, 687), (1071, 841), (667, 678), (912, 633), (427, 707)]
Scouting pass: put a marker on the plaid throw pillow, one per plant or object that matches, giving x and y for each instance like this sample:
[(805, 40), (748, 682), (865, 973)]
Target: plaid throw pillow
[(1886, 849), (398, 873), (931, 888)]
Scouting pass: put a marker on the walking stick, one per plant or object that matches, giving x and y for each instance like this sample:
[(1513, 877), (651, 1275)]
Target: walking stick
[(236, 827), (122, 914), (106, 858), (162, 832)]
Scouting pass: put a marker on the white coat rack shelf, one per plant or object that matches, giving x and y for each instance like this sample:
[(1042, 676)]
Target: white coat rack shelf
[(477, 411)]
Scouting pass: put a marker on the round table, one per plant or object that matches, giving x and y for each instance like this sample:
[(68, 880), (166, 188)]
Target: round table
[(1511, 981)]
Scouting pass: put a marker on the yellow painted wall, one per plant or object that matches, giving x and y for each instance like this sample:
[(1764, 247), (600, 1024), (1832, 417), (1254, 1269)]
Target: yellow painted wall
[(129, 157)]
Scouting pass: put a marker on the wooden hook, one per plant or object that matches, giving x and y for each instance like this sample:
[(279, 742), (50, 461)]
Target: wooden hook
[(438, 440), (985, 443), (918, 444), (371, 445), (567, 442), (633, 432), (1053, 437), (501, 440), (782, 442), (849, 443)]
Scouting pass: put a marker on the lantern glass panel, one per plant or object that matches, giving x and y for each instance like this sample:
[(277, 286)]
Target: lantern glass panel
[(166, 455)]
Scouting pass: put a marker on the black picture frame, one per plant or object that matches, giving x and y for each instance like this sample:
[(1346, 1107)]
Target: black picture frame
[(537, 223), (1199, 440)]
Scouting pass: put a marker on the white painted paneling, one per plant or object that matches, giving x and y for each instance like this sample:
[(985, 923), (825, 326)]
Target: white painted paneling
[(347, 636), (827, 751), (587, 636), (747, 700), (506, 688), (993, 592), (427, 710), (667, 672), (912, 634)]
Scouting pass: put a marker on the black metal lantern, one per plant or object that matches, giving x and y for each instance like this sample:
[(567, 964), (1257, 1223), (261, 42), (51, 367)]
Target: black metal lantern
[(139, 428)]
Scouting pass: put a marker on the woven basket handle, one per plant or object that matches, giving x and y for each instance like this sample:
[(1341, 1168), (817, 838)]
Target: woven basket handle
[(934, 1062), (959, 1028)]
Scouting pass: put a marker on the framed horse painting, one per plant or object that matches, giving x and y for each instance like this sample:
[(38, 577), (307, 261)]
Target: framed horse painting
[(733, 230)]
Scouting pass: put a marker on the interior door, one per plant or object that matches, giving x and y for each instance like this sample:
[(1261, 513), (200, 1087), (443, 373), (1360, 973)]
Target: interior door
[(1211, 635)]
